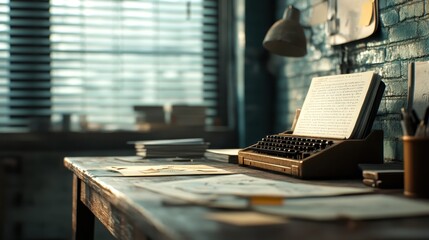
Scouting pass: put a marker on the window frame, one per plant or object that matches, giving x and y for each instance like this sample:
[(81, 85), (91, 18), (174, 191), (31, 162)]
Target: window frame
[(226, 65)]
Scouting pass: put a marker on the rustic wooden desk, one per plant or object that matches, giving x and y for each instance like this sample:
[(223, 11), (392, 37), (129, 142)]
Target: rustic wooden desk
[(131, 212)]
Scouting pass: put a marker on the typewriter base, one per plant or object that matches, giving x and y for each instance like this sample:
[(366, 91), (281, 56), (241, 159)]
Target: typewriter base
[(339, 161)]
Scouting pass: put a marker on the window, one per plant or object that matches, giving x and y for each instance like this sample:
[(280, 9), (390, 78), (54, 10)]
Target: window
[(100, 58)]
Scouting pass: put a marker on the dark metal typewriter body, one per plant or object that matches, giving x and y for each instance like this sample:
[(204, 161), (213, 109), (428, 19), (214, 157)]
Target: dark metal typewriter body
[(313, 157)]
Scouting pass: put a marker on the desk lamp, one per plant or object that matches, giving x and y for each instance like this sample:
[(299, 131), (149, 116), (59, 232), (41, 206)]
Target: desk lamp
[(286, 37)]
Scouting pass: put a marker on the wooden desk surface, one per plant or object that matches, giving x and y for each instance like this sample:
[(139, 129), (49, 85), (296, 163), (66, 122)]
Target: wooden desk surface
[(131, 212)]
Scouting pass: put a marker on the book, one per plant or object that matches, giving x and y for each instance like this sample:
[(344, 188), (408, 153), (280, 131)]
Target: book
[(150, 117), (340, 106), (186, 147), (223, 155), (168, 141), (418, 88), (188, 115), (393, 178), (149, 114), (386, 175)]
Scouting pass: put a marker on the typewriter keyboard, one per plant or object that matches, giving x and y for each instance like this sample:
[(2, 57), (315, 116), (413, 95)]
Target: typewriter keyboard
[(291, 147)]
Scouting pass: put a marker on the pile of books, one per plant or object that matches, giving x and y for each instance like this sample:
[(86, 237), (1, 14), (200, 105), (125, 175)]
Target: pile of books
[(386, 175), (185, 147)]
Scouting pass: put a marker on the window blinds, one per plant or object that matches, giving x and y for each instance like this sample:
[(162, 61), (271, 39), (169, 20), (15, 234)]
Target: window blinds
[(99, 58)]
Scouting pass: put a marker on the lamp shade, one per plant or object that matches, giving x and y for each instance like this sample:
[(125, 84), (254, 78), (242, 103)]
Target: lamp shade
[(286, 37)]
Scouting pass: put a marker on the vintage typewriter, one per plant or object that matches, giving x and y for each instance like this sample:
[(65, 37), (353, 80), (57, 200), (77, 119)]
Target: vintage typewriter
[(319, 152), (313, 157)]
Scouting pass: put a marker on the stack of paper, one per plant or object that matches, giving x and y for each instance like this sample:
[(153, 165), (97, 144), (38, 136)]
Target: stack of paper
[(223, 155), (187, 147)]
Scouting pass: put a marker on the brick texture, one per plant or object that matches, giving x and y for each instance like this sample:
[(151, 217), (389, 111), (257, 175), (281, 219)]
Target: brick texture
[(402, 37)]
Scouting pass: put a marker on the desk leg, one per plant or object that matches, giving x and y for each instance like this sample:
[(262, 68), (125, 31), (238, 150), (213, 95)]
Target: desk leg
[(82, 217)]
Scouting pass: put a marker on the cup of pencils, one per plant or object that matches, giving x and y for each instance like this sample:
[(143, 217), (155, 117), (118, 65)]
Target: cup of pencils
[(416, 154)]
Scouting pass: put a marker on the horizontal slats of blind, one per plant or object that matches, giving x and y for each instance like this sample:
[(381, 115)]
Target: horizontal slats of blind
[(100, 58)]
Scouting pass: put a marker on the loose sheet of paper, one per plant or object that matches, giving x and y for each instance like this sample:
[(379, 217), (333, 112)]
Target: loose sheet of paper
[(361, 207), (333, 105), (223, 189), (166, 170), (243, 185), (421, 88)]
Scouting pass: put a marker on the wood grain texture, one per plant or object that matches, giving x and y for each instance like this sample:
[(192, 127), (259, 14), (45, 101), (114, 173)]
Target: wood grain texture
[(132, 212)]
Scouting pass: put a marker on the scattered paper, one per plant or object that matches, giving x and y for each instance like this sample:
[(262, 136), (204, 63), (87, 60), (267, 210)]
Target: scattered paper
[(235, 191), (166, 170), (360, 207), (306, 201), (243, 185)]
